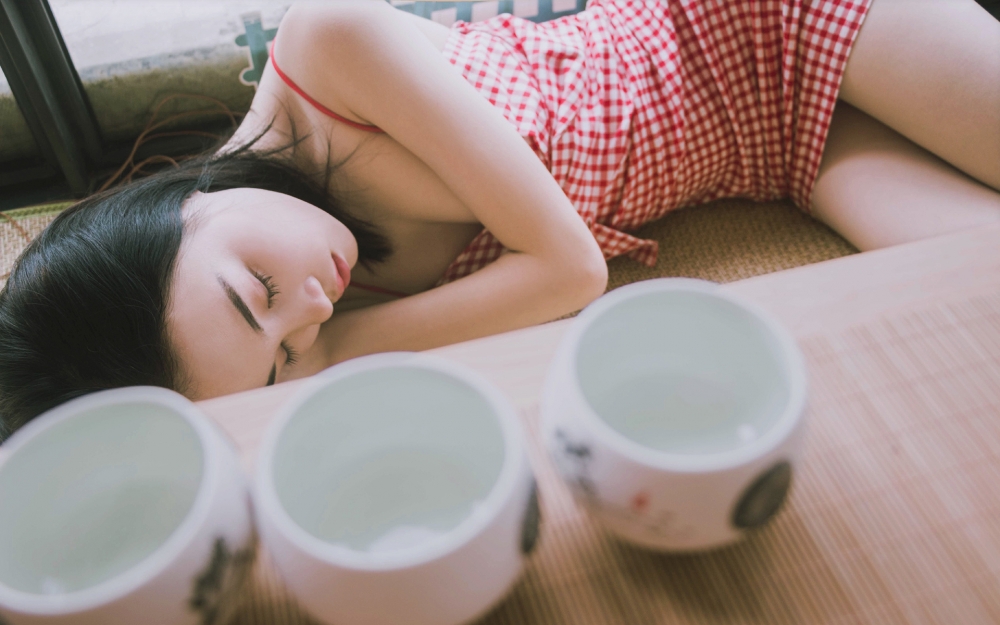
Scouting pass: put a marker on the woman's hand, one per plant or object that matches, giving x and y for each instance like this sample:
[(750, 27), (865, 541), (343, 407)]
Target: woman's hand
[(376, 65)]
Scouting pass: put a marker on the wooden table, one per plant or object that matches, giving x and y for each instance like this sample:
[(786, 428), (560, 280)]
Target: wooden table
[(813, 299), (893, 517)]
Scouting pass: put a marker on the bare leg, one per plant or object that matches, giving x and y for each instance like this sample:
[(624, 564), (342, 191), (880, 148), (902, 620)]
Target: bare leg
[(877, 188), (930, 69)]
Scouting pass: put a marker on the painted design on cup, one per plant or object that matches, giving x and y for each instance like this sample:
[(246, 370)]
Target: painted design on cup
[(216, 590), (574, 460), (764, 497), (642, 511), (576, 457), (662, 523), (532, 521), (640, 502)]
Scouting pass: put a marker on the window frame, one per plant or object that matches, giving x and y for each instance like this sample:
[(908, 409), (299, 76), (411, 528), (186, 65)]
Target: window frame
[(49, 93)]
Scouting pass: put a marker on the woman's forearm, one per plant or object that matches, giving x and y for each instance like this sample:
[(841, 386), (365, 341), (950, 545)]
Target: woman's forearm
[(418, 98), (516, 291)]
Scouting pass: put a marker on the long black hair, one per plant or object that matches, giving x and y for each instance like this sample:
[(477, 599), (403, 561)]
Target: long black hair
[(85, 307)]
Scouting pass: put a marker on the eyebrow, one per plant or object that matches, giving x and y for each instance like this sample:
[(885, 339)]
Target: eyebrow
[(244, 310), (240, 305)]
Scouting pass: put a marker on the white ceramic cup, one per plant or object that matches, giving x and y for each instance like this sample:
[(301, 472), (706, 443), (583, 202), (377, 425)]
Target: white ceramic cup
[(122, 507), (674, 411), (395, 488)]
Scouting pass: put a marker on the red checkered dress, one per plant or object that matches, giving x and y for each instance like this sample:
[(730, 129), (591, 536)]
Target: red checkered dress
[(638, 108)]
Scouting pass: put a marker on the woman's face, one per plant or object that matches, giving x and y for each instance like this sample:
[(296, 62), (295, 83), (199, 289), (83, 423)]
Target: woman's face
[(256, 275)]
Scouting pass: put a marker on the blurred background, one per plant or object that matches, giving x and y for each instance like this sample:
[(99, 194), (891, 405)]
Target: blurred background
[(81, 81)]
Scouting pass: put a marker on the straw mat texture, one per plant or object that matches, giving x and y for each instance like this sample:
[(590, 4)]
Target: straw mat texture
[(722, 241), (731, 240), (832, 556), (894, 515), (18, 227)]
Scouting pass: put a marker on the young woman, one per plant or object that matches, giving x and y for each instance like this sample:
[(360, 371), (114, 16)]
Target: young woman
[(434, 185)]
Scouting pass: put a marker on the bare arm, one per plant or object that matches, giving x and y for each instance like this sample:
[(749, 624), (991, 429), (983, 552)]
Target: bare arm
[(378, 66)]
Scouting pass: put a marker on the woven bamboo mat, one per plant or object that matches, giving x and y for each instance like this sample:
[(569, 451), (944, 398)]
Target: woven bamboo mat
[(894, 516), (18, 228), (895, 513), (722, 241), (731, 240)]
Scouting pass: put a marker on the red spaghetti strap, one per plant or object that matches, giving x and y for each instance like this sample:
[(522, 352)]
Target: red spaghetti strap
[(317, 105), (378, 289)]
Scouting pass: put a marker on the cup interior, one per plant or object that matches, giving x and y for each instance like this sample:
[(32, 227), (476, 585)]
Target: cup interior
[(93, 495), (683, 372), (388, 458)]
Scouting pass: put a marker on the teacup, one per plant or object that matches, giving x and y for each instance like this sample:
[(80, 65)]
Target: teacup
[(674, 411), (123, 506), (395, 488)]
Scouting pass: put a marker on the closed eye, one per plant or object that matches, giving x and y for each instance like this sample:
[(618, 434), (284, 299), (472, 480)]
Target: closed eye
[(291, 356), (269, 285)]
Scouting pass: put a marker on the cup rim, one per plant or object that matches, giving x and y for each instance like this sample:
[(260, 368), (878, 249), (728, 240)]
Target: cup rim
[(162, 556), (792, 362), (491, 506)]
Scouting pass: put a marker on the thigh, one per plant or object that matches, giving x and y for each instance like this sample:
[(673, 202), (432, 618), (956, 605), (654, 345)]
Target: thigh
[(930, 69), (877, 188)]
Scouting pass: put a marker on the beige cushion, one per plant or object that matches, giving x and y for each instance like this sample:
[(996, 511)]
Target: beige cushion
[(722, 241), (730, 240), (17, 227)]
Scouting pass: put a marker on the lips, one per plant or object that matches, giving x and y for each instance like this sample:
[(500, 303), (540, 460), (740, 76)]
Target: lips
[(343, 272)]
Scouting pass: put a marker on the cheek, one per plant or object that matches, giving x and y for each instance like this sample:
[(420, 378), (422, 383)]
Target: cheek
[(345, 244), (269, 252), (294, 243), (214, 353), (305, 339)]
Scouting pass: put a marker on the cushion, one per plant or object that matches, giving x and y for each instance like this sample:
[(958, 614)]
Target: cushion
[(723, 241)]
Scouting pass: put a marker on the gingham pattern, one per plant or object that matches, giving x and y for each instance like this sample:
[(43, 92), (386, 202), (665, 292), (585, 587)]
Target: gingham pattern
[(638, 108)]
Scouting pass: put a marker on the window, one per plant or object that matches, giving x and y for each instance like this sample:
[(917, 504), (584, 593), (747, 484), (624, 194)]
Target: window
[(87, 76), (130, 55), (16, 142)]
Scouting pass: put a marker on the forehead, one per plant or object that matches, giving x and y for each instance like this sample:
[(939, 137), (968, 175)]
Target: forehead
[(201, 208), (250, 221), (214, 345), (212, 350), (216, 223), (202, 205)]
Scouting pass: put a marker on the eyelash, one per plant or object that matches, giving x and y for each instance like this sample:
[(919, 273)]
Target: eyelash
[(268, 282), (291, 356)]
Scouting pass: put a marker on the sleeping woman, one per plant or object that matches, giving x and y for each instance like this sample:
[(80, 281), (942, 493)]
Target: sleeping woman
[(399, 185)]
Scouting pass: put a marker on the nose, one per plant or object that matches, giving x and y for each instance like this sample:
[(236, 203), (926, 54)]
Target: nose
[(315, 307), (310, 307)]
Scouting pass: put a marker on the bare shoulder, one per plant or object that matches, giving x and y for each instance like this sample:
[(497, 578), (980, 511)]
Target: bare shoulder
[(308, 26), (305, 17), (316, 39), (277, 114), (314, 35)]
